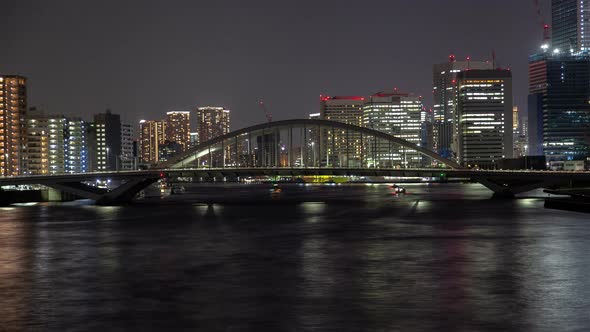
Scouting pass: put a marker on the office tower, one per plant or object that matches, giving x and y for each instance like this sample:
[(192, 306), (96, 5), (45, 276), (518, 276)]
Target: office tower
[(341, 148), (397, 114), (558, 110), (444, 79), (571, 26), (108, 141), (484, 117), (76, 146), (13, 109), (127, 159), (178, 128), (212, 122), (267, 149), (194, 139), (152, 134)]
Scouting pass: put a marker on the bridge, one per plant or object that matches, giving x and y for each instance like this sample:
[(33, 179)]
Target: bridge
[(300, 148)]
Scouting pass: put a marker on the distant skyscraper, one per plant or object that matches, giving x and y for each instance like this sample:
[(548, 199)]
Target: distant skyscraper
[(127, 159), (212, 122), (343, 147), (484, 117), (151, 137), (108, 140), (571, 25), (559, 110), (444, 78), (397, 114), (178, 128), (13, 110)]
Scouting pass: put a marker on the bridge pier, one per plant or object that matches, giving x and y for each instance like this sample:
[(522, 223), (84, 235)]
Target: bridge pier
[(509, 188), (121, 195)]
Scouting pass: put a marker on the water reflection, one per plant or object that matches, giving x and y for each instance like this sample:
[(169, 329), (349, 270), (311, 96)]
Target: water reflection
[(15, 296), (423, 261)]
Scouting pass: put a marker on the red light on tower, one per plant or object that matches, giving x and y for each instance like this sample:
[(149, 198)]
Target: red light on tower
[(452, 58)]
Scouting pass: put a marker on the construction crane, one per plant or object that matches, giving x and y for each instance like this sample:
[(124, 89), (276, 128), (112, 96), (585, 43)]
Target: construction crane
[(541, 18), (266, 113)]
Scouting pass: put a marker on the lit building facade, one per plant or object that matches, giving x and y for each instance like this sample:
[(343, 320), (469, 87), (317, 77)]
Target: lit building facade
[(444, 78), (559, 109), (56, 144), (76, 146), (484, 117), (108, 141), (194, 139), (212, 122), (571, 26), (37, 152), (127, 160), (397, 114), (13, 110), (342, 148), (178, 128), (152, 134)]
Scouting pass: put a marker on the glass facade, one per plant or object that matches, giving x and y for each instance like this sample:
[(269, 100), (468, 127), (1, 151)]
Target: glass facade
[(397, 114), (560, 105)]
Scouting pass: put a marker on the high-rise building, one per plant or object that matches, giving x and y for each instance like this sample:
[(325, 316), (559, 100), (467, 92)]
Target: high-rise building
[(515, 119), (342, 148), (57, 139), (571, 26), (484, 117), (13, 110), (108, 140), (76, 146), (397, 114), (559, 110), (37, 152), (56, 144), (127, 159), (212, 122), (194, 140), (178, 128), (444, 78), (152, 134)]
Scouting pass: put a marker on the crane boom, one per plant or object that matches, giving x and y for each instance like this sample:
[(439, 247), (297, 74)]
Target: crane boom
[(266, 113)]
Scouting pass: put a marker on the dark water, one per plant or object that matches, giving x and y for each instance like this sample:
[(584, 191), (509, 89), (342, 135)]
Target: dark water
[(442, 258)]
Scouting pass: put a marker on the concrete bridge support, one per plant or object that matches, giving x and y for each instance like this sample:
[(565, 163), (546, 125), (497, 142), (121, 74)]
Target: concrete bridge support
[(509, 188), (117, 196)]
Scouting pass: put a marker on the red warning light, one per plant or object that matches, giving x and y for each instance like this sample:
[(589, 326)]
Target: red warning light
[(452, 58), (162, 175)]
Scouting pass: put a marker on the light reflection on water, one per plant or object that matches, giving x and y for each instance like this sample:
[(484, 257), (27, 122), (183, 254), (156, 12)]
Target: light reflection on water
[(353, 258)]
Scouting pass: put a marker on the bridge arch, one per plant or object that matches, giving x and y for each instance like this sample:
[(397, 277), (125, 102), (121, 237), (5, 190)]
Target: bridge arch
[(332, 144)]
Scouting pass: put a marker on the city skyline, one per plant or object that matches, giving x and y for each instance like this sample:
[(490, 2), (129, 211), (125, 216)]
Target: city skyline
[(255, 62)]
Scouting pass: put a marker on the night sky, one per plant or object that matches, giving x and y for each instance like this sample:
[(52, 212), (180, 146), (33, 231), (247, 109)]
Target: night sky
[(144, 58)]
